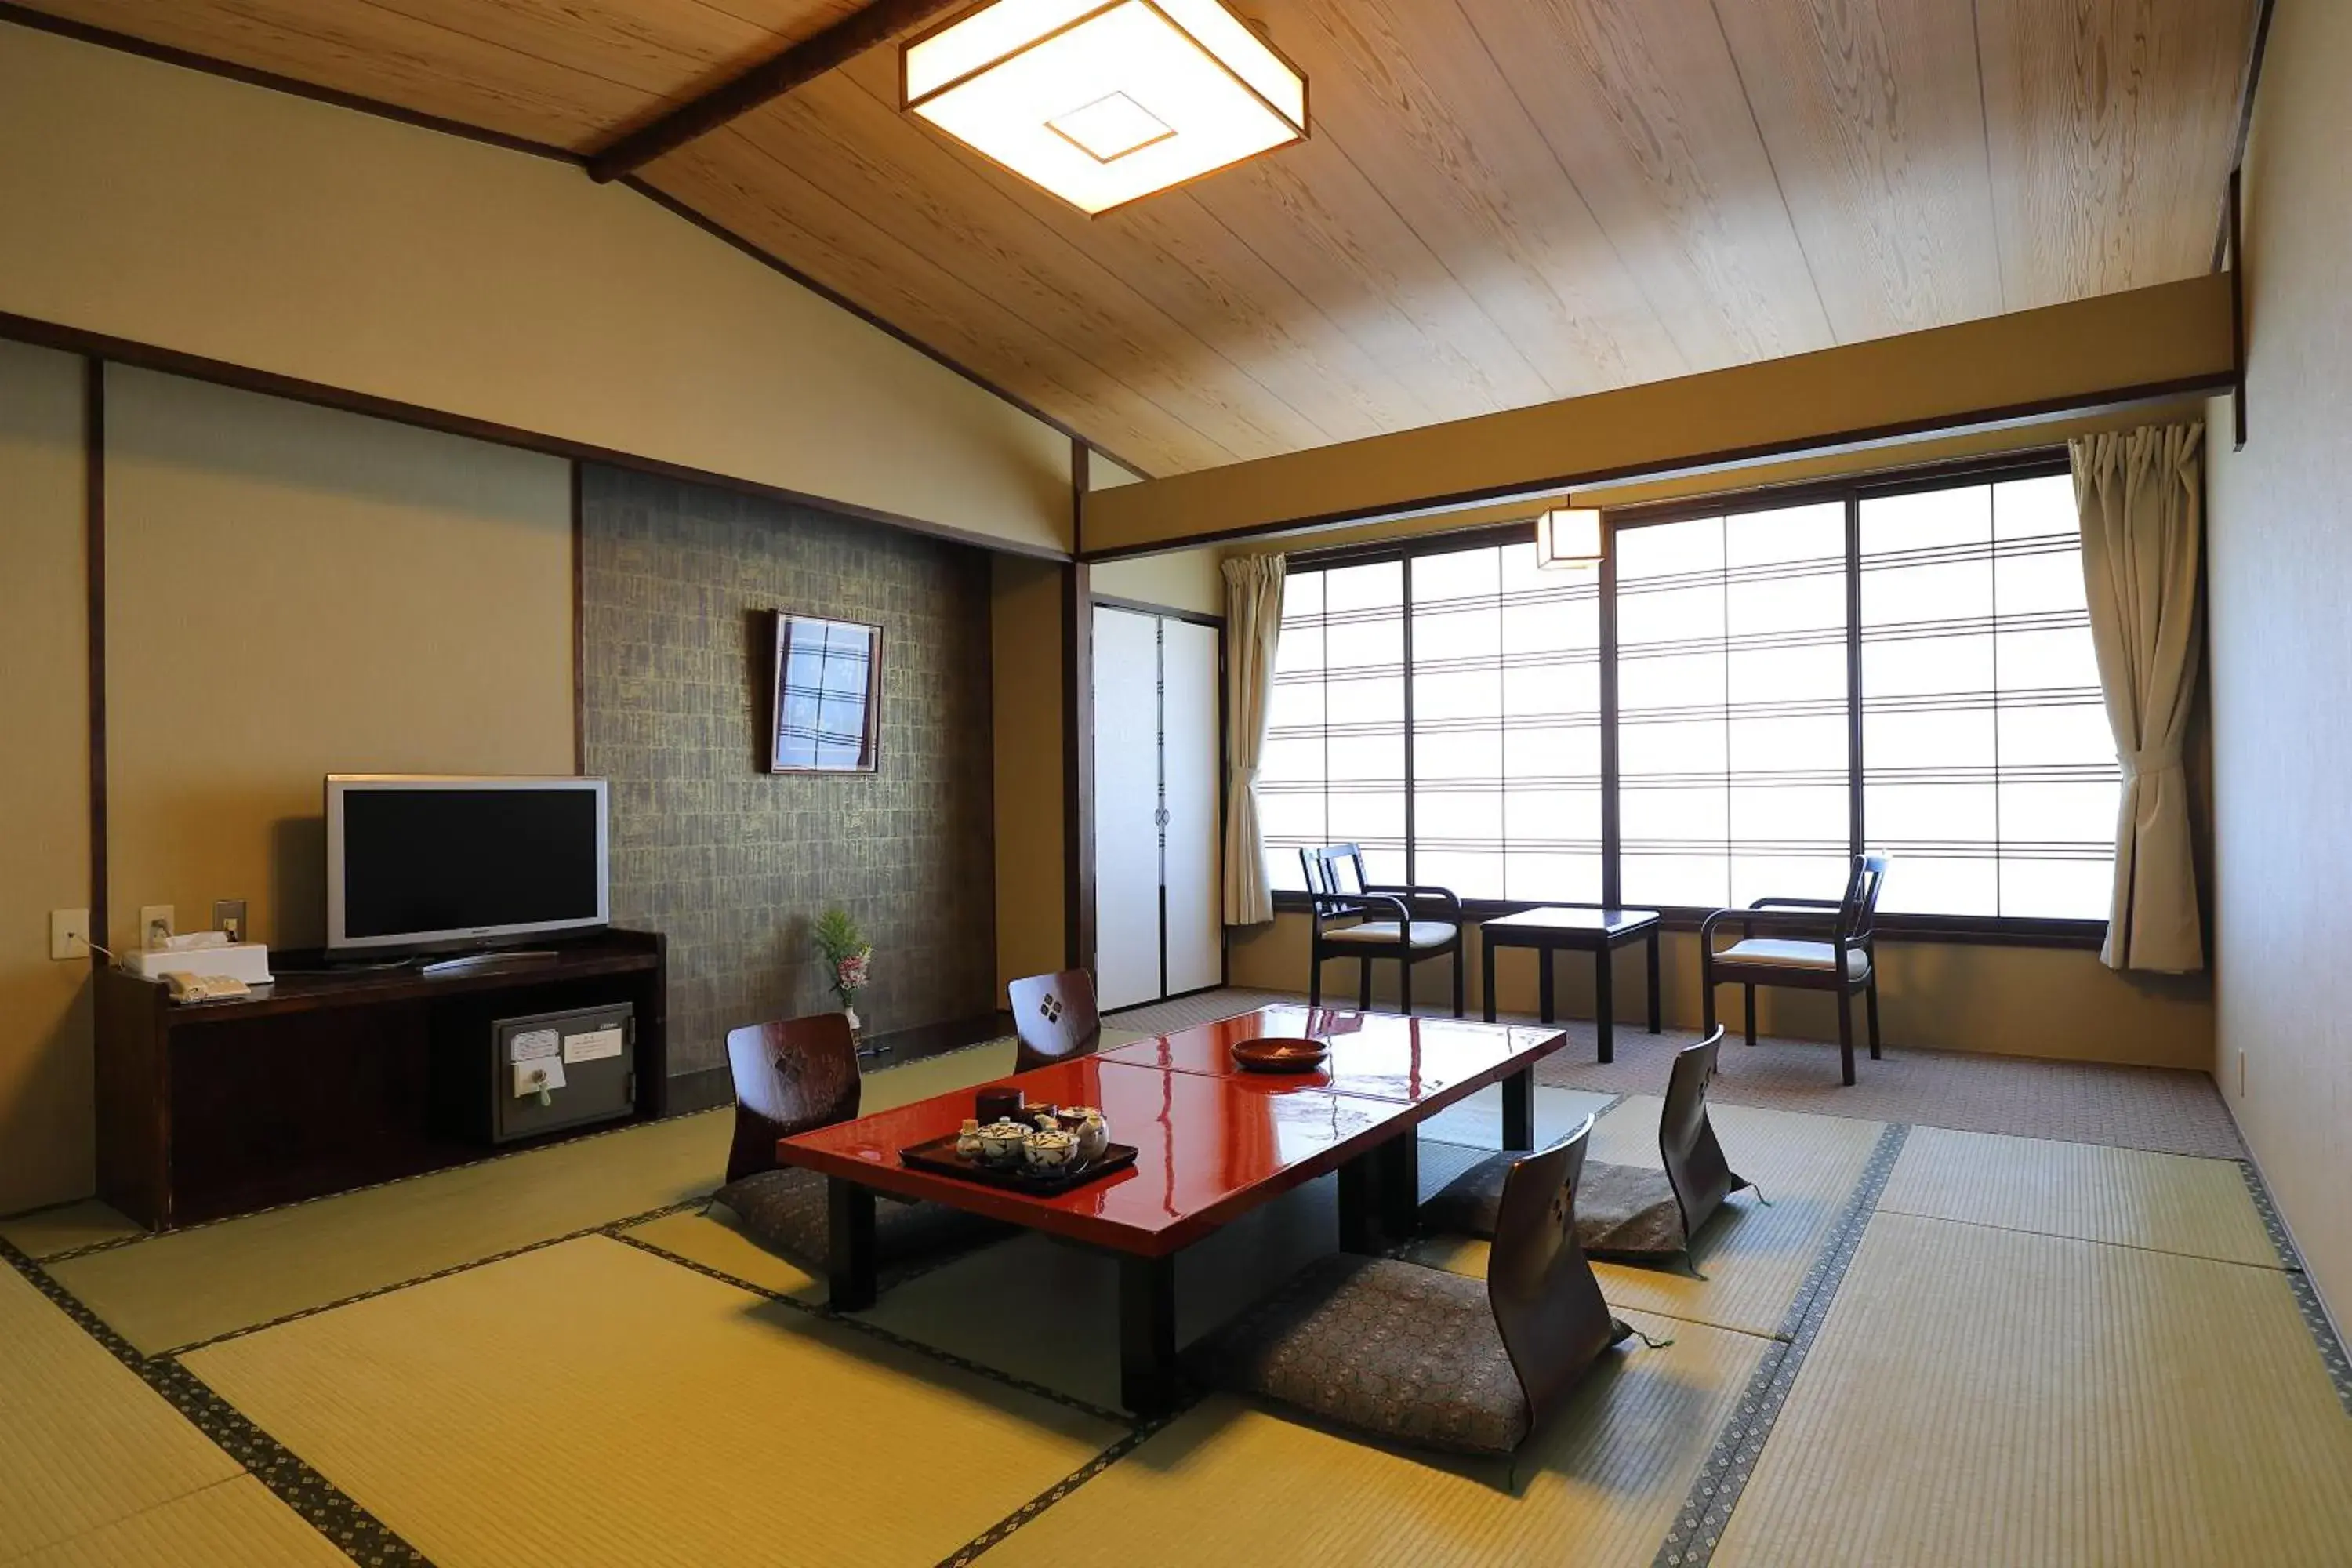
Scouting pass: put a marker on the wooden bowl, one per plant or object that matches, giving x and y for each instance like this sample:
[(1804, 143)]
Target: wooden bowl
[(1278, 1054)]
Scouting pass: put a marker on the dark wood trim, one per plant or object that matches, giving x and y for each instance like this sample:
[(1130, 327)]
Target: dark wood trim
[(107, 38), (172, 362), (1856, 828), (1082, 480), (1967, 930), (772, 78), (2238, 306), (2248, 87), (1829, 444), (1612, 830), (1145, 607), (832, 296), (1077, 767), (579, 627), (93, 447)]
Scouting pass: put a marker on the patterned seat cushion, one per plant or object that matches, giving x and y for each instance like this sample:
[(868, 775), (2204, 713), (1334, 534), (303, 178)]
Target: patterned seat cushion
[(787, 1209), (1387, 1348), (1622, 1211)]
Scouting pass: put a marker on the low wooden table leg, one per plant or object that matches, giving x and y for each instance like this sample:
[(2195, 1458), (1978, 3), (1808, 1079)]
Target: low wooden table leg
[(1361, 1200), (1604, 1002), (1519, 1109), (1654, 1019), (850, 1261), (1147, 1334), (1486, 974), (1400, 1183)]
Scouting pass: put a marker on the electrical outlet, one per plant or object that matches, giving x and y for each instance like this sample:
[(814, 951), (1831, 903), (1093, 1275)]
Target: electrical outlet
[(156, 921), (69, 933), (228, 915)]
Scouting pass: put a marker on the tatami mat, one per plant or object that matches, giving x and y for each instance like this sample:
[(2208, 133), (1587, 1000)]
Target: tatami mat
[(590, 1403), (1985, 1396), (83, 1442), (44, 1233), (192, 1285), (2171, 1203), (1478, 1120), (1230, 1482), (1754, 1255), (715, 1240), (235, 1525)]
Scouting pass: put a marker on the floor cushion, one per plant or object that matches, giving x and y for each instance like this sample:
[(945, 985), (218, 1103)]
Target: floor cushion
[(788, 1209), (1625, 1212)]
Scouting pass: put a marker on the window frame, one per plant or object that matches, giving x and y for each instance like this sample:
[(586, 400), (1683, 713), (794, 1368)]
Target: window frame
[(1850, 491)]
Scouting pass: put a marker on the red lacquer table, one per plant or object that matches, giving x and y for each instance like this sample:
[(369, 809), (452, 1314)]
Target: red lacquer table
[(1212, 1142)]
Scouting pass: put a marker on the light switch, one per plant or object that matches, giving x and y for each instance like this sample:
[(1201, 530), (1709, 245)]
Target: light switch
[(69, 933)]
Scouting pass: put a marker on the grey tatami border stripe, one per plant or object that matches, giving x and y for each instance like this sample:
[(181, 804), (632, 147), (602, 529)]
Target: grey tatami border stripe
[(326, 1508), (2298, 1278), (995, 1534), (602, 1227), (1724, 1476)]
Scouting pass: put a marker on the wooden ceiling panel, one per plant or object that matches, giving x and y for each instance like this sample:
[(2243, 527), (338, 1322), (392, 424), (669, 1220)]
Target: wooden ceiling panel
[(1502, 202), (1643, 104), (2112, 125), (1879, 145)]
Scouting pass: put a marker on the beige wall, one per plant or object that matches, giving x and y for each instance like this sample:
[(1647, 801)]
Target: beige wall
[(44, 1060), (1026, 651), (293, 591), (2009, 1001), (2278, 556), (183, 210), (1178, 580)]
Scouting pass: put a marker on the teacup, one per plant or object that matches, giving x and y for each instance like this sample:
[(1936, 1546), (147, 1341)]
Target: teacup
[(1049, 1152), (1001, 1142)]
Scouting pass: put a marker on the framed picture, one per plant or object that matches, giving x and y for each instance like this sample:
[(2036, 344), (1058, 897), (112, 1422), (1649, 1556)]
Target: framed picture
[(826, 684)]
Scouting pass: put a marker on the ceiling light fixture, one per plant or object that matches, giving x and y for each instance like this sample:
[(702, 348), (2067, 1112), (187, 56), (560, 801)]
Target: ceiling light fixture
[(1101, 104), (1568, 538)]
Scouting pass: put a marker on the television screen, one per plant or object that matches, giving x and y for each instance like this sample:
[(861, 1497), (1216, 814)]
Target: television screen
[(415, 862)]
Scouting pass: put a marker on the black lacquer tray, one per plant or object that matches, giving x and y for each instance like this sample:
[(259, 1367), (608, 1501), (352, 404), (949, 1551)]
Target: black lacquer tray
[(940, 1157)]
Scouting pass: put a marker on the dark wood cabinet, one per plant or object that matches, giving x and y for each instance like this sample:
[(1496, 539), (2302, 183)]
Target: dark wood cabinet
[(333, 1080)]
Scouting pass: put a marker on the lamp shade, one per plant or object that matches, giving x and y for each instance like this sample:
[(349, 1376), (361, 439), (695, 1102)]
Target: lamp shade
[(1103, 102), (1568, 538)]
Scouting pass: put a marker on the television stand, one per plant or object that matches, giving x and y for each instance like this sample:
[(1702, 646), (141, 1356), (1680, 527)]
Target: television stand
[(488, 962)]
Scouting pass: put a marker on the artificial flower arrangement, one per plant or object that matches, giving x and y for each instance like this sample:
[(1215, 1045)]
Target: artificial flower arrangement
[(848, 957)]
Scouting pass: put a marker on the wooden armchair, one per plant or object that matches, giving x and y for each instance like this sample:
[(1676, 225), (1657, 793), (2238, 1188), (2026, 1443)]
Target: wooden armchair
[(1812, 944), (1376, 922)]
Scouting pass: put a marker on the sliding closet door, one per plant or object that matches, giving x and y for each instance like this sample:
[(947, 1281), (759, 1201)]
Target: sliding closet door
[(1189, 751), (1127, 807)]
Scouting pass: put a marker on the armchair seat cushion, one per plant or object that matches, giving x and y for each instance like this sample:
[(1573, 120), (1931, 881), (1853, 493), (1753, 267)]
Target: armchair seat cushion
[(1622, 1212), (1426, 934), (1387, 1348), (787, 1209), (1765, 952)]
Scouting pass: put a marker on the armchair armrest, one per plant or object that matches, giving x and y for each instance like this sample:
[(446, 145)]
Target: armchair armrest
[(1796, 923), (1370, 902), (1796, 904), (1415, 893)]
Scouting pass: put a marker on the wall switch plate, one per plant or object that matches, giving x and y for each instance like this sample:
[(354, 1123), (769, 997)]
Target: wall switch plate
[(228, 915), (156, 921), (69, 933)]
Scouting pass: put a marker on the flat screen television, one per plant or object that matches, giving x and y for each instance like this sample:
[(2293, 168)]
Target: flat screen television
[(420, 863)]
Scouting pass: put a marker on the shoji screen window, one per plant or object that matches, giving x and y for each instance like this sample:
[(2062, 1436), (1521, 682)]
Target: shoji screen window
[(1989, 769), (1334, 769), (1733, 739), (1506, 725)]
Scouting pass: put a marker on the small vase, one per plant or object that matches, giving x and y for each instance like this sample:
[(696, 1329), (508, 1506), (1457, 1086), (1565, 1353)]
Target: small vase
[(856, 1028)]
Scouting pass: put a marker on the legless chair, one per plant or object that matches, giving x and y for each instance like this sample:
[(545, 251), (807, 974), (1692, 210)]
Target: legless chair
[(1827, 947), (1054, 1017), (791, 1077), (1428, 1357), (1624, 1212)]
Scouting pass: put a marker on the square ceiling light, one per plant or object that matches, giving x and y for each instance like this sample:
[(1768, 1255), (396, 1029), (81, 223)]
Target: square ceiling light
[(1101, 104)]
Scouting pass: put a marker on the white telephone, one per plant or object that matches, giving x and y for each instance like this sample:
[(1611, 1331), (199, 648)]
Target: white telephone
[(188, 987)]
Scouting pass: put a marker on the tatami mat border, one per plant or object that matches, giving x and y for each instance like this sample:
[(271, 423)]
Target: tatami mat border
[(979, 1544), (1699, 1525), (326, 1508), (2298, 1278)]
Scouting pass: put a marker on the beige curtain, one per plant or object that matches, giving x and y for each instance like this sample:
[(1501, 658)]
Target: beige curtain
[(1253, 626), (2141, 495)]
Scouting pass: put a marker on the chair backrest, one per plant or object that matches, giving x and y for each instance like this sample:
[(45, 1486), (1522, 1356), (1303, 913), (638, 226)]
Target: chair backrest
[(1054, 1014), (790, 1077), (1546, 1301), (1858, 911), (1695, 1164), (1335, 874)]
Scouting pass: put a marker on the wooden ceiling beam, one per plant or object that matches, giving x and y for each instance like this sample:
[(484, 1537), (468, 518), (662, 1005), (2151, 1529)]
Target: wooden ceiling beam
[(769, 80)]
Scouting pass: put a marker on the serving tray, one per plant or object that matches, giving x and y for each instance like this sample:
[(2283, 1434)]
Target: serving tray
[(938, 1156)]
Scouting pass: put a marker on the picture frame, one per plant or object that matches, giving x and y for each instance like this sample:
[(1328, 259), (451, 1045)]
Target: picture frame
[(824, 693)]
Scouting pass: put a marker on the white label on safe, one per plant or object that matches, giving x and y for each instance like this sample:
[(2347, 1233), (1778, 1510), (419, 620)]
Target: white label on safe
[(531, 1045), (594, 1046)]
